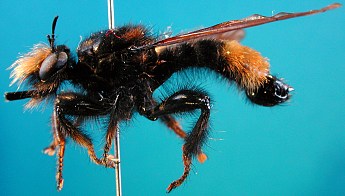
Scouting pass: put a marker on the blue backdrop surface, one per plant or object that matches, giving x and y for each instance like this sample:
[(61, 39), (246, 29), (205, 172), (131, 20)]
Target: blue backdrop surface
[(295, 149)]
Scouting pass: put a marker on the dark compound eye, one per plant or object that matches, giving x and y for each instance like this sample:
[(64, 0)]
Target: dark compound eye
[(52, 64), (273, 92)]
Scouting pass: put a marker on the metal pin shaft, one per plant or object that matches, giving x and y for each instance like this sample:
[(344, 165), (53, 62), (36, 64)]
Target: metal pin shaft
[(111, 18), (111, 23), (117, 163)]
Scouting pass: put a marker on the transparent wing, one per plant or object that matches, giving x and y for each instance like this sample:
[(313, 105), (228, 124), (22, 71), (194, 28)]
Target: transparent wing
[(233, 29)]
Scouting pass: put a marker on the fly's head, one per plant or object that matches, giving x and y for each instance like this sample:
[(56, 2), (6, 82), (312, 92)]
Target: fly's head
[(42, 69)]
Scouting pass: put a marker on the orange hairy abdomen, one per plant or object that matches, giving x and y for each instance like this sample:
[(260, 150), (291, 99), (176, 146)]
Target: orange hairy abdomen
[(248, 68)]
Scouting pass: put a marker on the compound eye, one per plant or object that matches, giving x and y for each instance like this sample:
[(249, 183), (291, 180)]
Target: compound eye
[(52, 64)]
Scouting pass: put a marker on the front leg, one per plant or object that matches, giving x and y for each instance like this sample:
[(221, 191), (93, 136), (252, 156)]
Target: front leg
[(50, 150), (185, 101), (78, 105)]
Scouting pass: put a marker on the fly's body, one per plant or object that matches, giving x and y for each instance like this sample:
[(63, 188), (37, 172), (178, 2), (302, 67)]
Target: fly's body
[(116, 72)]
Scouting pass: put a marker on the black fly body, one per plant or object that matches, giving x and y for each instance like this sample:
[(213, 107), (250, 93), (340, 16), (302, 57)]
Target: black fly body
[(118, 71)]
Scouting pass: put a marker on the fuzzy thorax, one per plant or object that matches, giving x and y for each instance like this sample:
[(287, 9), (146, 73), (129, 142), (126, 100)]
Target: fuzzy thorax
[(29, 63), (246, 66)]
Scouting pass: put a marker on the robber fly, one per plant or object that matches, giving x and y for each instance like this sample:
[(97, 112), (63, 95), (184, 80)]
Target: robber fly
[(117, 71)]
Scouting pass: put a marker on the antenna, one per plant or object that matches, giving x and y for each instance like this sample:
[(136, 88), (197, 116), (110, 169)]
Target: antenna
[(111, 23), (52, 38)]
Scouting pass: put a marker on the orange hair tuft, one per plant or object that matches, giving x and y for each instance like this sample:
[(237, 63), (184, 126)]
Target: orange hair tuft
[(247, 66), (29, 63)]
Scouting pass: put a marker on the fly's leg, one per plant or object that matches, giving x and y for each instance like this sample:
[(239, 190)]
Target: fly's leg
[(59, 139), (107, 159), (179, 102), (72, 104), (50, 150), (173, 124)]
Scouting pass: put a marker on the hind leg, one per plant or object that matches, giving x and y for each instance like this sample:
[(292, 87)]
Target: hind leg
[(179, 102), (173, 124)]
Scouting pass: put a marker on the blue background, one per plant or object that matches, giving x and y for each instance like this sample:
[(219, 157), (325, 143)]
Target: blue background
[(295, 149)]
